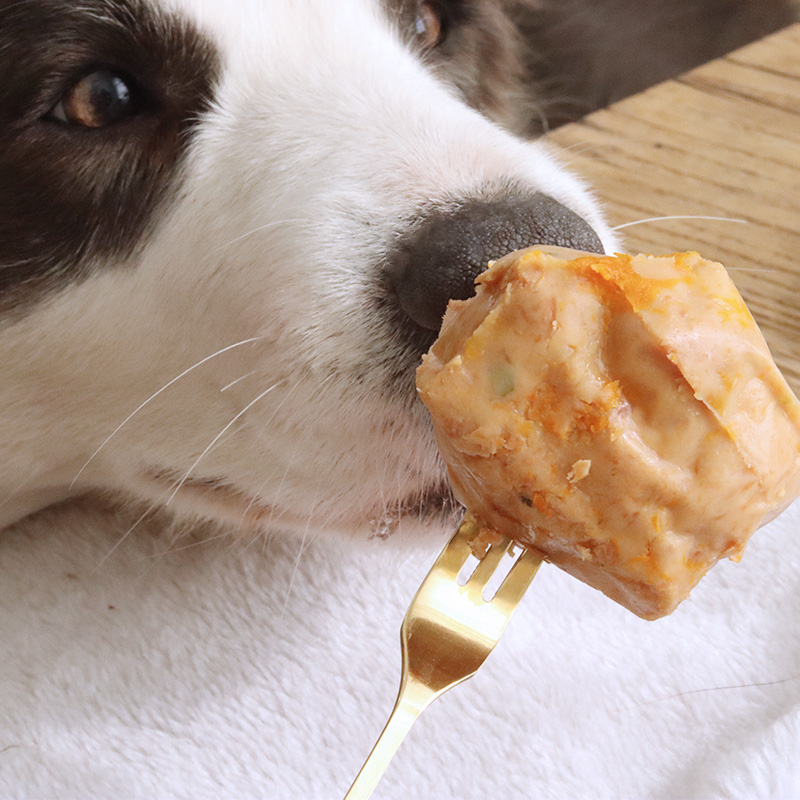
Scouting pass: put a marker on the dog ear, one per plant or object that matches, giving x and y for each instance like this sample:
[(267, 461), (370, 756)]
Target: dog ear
[(580, 55)]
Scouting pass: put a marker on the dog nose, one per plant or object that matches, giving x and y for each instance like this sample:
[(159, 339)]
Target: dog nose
[(450, 249)]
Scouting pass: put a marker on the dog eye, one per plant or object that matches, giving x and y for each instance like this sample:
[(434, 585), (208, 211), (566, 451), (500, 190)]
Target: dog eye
[(99, 99), (429, 26)]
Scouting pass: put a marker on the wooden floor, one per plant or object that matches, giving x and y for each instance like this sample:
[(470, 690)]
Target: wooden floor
[(722, 141)]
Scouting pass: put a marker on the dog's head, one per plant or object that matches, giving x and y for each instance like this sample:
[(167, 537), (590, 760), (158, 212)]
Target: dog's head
[(227, 234)]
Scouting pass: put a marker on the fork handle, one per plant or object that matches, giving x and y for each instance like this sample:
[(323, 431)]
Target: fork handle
[(413, 698)]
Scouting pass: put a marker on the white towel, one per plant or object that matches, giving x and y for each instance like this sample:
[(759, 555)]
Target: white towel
[(228, 671)]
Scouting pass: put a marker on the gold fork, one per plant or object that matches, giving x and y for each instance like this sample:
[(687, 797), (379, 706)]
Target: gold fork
[(447, 633)]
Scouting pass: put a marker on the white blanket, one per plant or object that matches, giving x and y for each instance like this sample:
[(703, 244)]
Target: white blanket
[(228, 671)]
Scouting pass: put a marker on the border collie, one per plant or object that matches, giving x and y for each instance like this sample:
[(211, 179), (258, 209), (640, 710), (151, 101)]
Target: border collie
[(229, 230)]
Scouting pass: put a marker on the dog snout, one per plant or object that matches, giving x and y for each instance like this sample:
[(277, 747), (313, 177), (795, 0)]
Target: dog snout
[(444, 255)]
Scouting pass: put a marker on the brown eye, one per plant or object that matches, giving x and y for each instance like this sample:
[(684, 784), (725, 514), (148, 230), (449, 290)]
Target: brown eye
[(429, 26), (99, 99)]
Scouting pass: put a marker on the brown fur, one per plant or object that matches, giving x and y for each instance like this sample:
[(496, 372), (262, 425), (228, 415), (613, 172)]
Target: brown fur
[(68, 195)]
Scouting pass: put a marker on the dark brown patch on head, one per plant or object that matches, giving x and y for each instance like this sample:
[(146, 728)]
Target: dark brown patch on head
[(481, 54), (70, 194), (483, 57)]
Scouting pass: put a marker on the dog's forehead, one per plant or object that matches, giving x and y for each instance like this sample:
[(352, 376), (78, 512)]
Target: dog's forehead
[(287, 23)]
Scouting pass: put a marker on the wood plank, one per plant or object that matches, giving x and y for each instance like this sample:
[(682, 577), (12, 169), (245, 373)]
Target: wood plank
[(722, 141)]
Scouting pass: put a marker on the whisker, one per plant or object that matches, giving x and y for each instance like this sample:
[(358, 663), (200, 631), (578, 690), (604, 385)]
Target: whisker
[(708, 689), (273, 505), (173, 549), (127, 533), (261, 488), (296, 567), (218, 437), (256, 494), (678, 216), (267, 538), (233, 383), (153, 397), (259, 229)]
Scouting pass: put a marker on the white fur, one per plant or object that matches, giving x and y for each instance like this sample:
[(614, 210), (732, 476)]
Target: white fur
[(233, 673)]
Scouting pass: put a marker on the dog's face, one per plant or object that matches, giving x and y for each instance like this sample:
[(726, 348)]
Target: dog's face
[(218, 227)]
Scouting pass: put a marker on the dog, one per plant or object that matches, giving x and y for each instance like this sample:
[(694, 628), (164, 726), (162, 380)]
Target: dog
[(227, 236), (228, 231)]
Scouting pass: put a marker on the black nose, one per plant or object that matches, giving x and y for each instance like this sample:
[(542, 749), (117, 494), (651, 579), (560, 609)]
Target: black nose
[(449, 250)]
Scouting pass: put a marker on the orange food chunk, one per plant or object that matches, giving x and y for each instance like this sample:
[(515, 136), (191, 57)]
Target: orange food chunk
[(620, 414)]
